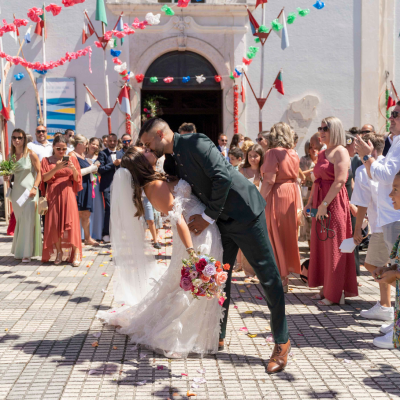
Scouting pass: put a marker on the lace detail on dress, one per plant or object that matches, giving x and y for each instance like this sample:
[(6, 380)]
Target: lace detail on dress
[(182, 192)]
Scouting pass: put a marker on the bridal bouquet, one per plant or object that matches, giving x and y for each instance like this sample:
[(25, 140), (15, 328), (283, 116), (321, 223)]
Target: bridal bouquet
[(7, 167), (204, 277)]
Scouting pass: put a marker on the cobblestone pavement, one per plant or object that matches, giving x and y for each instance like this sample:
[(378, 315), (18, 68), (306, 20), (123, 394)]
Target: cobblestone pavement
[(47, 330)]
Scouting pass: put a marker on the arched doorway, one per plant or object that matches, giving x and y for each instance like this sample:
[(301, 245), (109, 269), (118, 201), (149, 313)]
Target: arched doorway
[(181, 102)]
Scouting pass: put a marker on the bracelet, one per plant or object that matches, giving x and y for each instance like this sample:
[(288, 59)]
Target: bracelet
[(189, 248), (35, 187)]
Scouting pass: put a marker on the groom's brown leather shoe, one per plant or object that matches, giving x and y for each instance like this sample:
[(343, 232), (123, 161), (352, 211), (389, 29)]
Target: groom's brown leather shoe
[(278, 360), (221, 345)]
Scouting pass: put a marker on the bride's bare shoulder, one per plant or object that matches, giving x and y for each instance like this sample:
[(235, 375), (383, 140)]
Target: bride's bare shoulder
[(160, 195)]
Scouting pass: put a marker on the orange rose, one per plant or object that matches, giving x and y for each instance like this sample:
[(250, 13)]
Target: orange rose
[(219, 269), (227, 267), (205, 278), (221, 278), (217, 264)]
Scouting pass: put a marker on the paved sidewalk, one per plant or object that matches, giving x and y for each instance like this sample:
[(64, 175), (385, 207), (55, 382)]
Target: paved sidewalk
[(48, 330)]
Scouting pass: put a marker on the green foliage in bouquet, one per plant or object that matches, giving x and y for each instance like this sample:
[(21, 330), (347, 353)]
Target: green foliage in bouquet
[(151, 107), (7, 167)]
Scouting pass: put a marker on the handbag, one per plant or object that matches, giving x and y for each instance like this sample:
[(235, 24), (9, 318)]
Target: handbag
[(43, 206)]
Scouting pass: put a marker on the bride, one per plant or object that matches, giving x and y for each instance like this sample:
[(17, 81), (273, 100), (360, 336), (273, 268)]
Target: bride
[(158, 314)]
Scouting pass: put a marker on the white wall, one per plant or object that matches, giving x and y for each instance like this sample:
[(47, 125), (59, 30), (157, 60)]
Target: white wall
[(323, 60)]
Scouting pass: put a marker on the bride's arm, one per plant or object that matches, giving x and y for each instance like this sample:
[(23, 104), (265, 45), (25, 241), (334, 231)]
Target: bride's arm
[(161, 198)]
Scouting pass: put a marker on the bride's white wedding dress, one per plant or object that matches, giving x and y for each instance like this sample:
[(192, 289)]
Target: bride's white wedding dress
[(168, 319)]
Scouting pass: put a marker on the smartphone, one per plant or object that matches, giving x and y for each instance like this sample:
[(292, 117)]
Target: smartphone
[(314, 212), (65, 158)]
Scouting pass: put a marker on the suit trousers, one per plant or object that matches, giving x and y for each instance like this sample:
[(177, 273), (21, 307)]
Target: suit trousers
[(252, 238), (107, 202)]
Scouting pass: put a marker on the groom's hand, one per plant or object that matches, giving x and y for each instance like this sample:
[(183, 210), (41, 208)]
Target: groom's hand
[(197, 224)]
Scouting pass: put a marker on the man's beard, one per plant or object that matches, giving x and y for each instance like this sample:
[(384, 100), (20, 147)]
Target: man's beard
[(158, 153)]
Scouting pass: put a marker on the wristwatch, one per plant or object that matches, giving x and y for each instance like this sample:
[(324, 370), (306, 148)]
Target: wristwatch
[(366, 158), (325, 204), (35, 187)]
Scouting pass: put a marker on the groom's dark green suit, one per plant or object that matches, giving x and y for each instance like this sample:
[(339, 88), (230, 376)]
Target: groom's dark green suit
[(238, 209)]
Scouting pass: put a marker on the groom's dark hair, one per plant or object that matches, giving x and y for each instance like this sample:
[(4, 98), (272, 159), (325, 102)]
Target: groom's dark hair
[(148, 125)]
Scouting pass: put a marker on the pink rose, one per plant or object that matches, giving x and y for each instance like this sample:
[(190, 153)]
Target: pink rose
[(221, 301), (205, 278), (186, 283), (221, 278)]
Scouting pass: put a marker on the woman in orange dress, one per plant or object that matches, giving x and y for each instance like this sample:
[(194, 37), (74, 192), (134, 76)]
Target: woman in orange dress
[(279, 188), (62, 232)]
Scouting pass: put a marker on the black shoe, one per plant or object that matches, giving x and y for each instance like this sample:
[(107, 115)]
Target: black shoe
[(157, 246)]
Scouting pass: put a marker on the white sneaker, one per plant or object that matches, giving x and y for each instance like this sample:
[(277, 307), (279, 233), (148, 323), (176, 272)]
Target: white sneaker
[(385, 328), (106, 239), (379, 312), (384, 342)]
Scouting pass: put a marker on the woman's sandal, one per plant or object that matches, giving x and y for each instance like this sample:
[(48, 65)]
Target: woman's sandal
[(317, 296), (58, 260), (91, 243), (326, 302), (76, 262)]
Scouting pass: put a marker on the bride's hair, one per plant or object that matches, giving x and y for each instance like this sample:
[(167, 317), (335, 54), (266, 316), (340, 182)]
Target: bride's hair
[(142, 173)]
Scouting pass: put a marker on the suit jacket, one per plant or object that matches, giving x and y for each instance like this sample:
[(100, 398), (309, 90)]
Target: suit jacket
[(227, 151), (107, 168), (388, 145), (225, 192)]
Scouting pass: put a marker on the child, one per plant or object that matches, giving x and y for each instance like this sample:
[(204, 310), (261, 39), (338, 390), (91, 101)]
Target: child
[(236, 157), (391, 275)]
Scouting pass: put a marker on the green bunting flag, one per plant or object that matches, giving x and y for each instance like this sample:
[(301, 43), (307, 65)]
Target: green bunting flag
[(101, 12)]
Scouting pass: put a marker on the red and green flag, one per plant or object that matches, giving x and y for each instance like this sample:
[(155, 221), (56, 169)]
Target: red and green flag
[(4, 110), (279, 83), (40, 26)]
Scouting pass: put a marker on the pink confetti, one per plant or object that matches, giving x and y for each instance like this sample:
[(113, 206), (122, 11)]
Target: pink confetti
[(160, 366), (269, 339), (244, 329), (183, 374), (259, 298), (235, 307), (234, 280), (300, 334)]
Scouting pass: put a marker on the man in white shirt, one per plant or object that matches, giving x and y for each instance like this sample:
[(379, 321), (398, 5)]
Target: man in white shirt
[(365, 196), (41, 146), (69, 133)]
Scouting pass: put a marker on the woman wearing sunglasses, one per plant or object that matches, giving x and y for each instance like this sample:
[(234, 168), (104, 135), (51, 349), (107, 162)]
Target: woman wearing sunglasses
[(62, 234), (27, 241), (328, 267)]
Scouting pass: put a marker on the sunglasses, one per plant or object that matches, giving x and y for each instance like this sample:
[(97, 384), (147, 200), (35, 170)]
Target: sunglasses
[(17, 137), (40, 131), (395, 114), (258, 140), (363, 132), (325, 129), (61, 148), (126, 141), (223, 141)]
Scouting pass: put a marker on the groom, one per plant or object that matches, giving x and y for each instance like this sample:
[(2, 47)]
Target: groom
[(236, 206)]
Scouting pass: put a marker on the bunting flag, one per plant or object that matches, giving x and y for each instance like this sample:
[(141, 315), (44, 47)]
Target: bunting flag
[(4, 110), (101, 12), (88, 103), (261, 2), (12, 108), (253, 23), (123, 100), (283, 33), (120, 28), (28, 35), (279, 84), (87, 30), (40, 26), (391, 101)]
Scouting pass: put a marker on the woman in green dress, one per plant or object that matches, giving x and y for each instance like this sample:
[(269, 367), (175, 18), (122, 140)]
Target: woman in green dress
[(27, 240)]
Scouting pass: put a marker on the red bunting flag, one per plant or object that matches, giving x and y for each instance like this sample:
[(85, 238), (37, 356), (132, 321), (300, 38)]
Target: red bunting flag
[(279, 84), (87, 30), (391, 102), (261, 2), (40, 26), (4, 110)]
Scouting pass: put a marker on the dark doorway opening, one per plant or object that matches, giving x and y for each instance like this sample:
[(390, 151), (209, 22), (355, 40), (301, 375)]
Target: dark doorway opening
[(200, 104)]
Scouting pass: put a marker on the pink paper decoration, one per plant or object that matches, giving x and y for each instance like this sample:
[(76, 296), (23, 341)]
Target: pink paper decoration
[(8, 27), (217, 78), (20, 22), (183, 3), (139, 25), (139, 78), (98, 44), (54, 9), (33, 14), (119, 34), (116, 60), (168, 79)]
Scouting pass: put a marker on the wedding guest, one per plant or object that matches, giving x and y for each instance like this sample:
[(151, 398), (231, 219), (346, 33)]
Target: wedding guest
[(187, 127), (41, 146), (388, 144), (29, 138), (307, 163), (315, 142), (329, 268), (251, 169), (367, 128), (27, 241), (237, 141), (84, 197), (69, 134), (126, 140), (62, 237), (295, 140), (236, 157), (104, 139), (365, 197), (57, 134), (222, 145), (262, 140), (383, 172), (280, 190), (97, 216), (390, 276), (110, 160), (246, 146)]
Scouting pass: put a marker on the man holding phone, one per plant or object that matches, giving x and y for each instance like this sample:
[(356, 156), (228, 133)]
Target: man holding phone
[(110, 160)]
